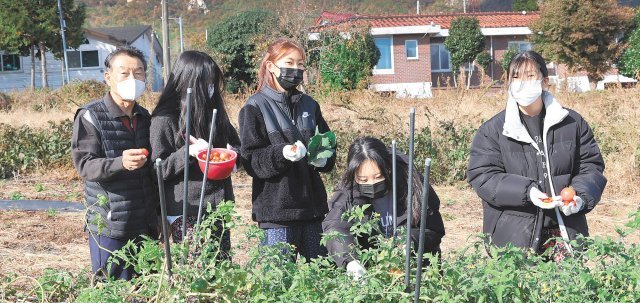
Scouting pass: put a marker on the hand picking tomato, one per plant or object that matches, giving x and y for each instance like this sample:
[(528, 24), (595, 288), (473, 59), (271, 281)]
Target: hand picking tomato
[(145, 152), (567, 194)]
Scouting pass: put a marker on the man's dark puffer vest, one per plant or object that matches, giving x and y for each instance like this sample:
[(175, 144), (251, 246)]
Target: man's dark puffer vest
[(131, 195)]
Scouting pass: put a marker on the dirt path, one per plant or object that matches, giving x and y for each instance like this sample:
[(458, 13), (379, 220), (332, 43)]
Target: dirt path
[(32, 241)]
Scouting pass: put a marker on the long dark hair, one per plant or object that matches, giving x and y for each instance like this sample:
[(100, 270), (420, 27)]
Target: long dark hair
[(369, 148), (196, 70)]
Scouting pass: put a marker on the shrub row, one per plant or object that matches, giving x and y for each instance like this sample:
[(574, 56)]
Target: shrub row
[(23, 149)]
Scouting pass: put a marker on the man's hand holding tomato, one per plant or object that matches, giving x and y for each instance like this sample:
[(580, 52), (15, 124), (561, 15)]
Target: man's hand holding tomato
[(133, 159)]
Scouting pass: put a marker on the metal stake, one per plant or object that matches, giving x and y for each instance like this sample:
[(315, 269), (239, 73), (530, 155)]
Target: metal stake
[(407, 265), (186, 173), (395, 189), (423, 226), (163, 216), (206, 167)]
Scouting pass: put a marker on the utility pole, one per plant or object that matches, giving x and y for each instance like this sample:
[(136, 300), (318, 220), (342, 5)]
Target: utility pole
[(63, 25), (464, 6), (179, 19), (418, 7), (165, 43)]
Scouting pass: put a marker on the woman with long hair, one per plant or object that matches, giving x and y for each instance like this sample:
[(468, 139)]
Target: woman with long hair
[(198, 71), (368, 181), (276, 124)]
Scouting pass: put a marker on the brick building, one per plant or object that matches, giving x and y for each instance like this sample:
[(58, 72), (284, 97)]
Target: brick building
[(414, 59)]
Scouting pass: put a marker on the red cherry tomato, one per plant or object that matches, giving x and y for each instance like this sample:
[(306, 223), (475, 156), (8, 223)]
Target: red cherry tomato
[(145, 152), (567, 194), (224, 156)]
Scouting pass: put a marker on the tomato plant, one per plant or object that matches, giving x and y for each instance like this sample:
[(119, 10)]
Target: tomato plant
[(601, 270)]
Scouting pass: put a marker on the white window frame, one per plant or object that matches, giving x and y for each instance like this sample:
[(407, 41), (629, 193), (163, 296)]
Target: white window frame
[(440, 70), (405, 49), (386, 71), (20, 70), (518, 44), (81, 66)]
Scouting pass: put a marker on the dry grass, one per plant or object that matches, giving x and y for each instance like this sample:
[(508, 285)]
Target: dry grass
[(614, 115)]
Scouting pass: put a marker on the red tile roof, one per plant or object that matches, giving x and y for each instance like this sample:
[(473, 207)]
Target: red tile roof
[(486, 19)]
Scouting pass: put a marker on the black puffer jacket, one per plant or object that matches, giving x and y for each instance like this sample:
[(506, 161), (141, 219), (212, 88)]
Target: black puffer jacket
[(282, 191), (345, 199), (503, 166)]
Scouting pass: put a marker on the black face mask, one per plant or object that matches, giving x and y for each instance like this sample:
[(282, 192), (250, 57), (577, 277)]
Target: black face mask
[(373, 191), (290, 77)]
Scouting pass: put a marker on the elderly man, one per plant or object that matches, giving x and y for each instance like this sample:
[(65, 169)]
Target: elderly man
[(110, 148)]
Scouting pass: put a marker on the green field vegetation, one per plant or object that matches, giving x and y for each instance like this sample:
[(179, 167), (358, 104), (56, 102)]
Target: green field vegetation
[(601, 270)]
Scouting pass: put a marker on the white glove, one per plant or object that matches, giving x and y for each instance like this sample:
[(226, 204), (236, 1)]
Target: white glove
[(196, 146), (319, 163), (572, 208), (537, 198), (355, 270), (294, 152)]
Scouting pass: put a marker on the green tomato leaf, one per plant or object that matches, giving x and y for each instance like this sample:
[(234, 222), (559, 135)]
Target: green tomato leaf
[(321, 145), (327, 153)]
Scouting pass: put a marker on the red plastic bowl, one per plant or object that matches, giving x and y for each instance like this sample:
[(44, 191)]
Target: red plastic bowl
[(217, 170)]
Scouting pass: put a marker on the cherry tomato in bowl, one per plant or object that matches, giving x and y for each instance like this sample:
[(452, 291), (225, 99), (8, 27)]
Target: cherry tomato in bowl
[(221, 163)]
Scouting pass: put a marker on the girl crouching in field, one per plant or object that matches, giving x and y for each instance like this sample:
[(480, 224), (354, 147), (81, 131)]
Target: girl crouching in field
[(368, 181)]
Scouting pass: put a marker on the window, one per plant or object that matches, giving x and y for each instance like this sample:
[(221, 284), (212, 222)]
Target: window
[(519, 45), (73, 59), (440, 60), (411, 49), (81, 59), (90, 59), (385, 63), (9, 62)]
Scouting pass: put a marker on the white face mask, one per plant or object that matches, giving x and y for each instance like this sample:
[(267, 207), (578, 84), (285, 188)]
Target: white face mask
[(525, 92), (130, 89)]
